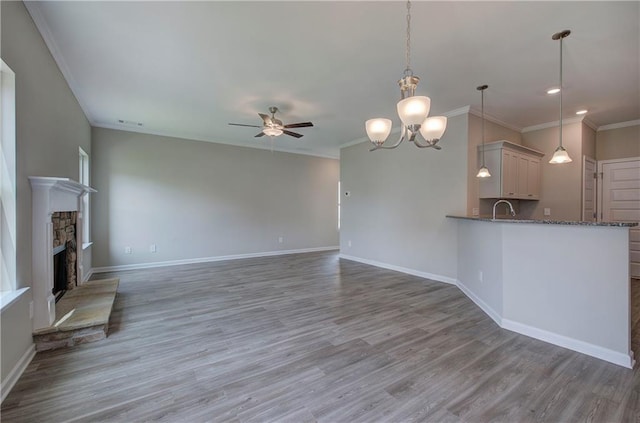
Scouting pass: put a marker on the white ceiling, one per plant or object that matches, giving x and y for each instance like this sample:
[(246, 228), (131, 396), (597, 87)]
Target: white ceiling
[(186, 69)]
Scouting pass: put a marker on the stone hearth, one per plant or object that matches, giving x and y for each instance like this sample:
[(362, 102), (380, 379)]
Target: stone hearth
[(82, 316)]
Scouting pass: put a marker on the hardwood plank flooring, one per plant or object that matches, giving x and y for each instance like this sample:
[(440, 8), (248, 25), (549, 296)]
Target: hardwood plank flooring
[(311, 338)]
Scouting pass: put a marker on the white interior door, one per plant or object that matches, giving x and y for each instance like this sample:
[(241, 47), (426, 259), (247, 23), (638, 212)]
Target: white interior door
[(589, 189), (620, 200)]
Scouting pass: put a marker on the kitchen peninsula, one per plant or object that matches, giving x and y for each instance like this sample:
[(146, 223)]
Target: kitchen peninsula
[(562, 282)]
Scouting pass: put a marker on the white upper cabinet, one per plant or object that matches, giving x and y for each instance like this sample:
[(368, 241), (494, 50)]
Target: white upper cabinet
[(515, 171)]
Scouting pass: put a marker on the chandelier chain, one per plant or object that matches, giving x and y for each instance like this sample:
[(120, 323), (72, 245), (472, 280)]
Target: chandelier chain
[(408, 53)]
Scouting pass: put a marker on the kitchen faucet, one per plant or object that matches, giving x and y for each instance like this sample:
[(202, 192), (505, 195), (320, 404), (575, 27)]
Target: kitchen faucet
[(513, 213)]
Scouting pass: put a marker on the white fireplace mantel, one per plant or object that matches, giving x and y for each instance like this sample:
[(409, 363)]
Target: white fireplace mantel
[(50, 195)]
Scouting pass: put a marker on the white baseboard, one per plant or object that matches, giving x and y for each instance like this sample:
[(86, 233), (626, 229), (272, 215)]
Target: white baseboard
[(406, 270), (87, 276), (624, 360), (8, 384), (489, 311), (208, 259)]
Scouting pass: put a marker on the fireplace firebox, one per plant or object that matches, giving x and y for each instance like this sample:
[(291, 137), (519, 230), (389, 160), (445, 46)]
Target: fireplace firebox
[(59, 272)]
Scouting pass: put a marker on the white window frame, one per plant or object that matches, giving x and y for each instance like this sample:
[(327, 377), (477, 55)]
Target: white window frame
[(8, 278), (84, 172)]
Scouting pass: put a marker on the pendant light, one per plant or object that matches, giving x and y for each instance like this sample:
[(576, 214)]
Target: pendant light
[(413, 111), (484, 171), (560, 155)]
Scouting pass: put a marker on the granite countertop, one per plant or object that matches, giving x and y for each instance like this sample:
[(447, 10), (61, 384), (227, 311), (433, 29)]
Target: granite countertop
[(501, 219)]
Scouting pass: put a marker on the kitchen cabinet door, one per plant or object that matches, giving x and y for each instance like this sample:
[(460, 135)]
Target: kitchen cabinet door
[(533, 178), (509, 174)]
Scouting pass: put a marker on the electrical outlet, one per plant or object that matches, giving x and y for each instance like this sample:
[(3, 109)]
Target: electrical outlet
[(280, 239), (480, 276), (30, 309), (349, 243), (547, 211), (127, 250), (475, 211), (152, 248)]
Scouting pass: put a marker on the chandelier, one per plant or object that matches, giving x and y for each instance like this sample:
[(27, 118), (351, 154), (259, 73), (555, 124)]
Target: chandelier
[(413, 111), (560, 155)]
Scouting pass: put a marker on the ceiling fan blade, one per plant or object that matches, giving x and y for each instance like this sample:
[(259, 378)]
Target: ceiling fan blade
[(266, 119), (299, 125), (242, 124), (293, 134), (259, 135)]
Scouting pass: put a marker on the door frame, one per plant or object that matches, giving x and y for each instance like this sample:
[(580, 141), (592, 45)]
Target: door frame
[(601, 164), (586, 159)]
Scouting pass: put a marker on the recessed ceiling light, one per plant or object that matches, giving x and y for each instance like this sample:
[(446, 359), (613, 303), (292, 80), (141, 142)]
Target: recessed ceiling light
[(553, 91), (581, 112)]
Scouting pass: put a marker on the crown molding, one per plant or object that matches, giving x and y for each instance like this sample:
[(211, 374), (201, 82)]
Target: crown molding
[(590, 124), (457, 112), (490, 118), (198, 138), (619, 125), (359, 141), (553, 124), (45, 32)]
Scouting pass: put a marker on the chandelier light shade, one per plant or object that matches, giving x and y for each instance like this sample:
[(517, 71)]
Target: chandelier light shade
[(560, 155), (433, 127), (378, 130), (413, 111), (483, 172)]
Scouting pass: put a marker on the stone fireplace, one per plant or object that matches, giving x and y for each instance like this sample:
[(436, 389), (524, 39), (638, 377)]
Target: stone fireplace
[(64, 252), (56, 202)]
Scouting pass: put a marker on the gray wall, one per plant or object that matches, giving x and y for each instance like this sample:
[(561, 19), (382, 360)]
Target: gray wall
[(395, 214), (50, 125), (195, 199), (561, 189), (560, 285), (619, 143)]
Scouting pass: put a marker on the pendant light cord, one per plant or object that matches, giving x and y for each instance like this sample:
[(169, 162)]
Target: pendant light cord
[(561, 89), (482, 109)]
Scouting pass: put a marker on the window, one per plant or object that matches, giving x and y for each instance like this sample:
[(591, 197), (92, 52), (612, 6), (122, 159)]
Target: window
[(84, 180), (7, 179)]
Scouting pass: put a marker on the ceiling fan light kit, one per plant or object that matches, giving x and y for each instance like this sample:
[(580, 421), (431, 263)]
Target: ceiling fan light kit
[(273, 127), (413, 111)]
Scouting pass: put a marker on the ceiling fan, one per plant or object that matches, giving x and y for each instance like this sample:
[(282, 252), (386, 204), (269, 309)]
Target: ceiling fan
[(274, 127)]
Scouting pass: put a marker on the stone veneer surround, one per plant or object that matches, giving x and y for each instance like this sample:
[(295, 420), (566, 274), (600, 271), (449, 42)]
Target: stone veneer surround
[(64, 233)]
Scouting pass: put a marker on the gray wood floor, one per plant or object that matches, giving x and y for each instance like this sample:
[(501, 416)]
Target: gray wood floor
[(306, 338)]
